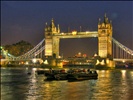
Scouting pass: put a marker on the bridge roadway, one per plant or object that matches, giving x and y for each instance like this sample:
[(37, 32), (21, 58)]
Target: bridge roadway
[(20, 59), (123, 60), (77, 34), (38, 59)]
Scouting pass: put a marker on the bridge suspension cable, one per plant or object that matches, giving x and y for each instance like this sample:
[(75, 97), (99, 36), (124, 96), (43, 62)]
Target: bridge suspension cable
[(32, 53), (121, 51)]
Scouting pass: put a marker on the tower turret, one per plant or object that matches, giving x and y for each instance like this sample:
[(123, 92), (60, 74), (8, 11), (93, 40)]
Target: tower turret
[(49, 32), (58, 29)]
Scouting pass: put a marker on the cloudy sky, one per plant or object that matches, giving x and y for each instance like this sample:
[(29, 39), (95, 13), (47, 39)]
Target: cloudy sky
[(25, 20)]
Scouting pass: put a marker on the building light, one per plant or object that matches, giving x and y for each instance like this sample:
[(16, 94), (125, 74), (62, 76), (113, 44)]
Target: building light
[(74, 32)]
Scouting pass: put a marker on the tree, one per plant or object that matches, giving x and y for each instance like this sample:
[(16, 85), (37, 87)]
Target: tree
[(18, 48)]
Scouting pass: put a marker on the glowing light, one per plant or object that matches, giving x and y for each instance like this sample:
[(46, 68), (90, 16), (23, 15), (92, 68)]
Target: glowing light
[(34, 60), (74, 32), (59, 56), (95, 55), (123, 73), (27, 63), (102, 62), (87, 32), (9, 54), (34, 69), (123, 61), (1, 47), (107, 61), (45, 62), (97, 62), (41, 61), (131, 73), (103, 71)]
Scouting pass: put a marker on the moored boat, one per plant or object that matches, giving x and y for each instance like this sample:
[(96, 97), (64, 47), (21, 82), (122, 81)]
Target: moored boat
[(82, 76), (39, 72), (71, 75)]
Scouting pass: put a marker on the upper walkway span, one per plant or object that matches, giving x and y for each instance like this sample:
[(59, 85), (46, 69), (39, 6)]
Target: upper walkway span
[(77, 34)]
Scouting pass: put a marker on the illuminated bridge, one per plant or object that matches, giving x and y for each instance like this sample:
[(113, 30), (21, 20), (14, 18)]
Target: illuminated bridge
[(108, 47)]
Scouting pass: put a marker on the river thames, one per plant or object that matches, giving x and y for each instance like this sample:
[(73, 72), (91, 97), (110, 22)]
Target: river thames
[(16, 84)]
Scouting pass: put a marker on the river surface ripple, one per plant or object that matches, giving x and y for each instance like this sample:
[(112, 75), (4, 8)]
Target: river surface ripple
[(16, 84)]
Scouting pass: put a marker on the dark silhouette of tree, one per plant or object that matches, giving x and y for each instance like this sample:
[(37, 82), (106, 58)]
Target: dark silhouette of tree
[(18, 48)]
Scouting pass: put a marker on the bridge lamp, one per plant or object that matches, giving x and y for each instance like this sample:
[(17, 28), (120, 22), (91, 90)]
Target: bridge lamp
[(123, 61), (34, 60), (27, 63)]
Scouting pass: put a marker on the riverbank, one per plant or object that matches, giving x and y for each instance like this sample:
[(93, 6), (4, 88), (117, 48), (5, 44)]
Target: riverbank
[(57, 67)]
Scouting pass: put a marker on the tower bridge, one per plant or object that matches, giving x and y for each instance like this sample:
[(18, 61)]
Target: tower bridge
[(104, 34), (108, 47)]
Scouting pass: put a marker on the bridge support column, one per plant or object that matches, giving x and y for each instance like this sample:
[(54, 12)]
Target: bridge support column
[(110, 63), (55, 50), (105, 41), (4, 62), (105, 38)]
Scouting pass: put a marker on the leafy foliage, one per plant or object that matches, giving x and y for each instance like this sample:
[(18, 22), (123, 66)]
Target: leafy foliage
[(18, 48)]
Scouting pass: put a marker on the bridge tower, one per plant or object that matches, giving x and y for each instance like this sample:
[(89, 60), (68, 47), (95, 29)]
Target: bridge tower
[(105, 38), (105, 41), (51, 42)]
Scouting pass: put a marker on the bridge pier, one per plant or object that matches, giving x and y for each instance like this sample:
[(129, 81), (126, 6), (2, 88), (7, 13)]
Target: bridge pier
[(110, 63), (4, 62), (54, 62)]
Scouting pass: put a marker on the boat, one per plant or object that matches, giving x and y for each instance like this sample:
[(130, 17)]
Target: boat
[(82, 76), (56, 75), (41, 71), (71, 75)]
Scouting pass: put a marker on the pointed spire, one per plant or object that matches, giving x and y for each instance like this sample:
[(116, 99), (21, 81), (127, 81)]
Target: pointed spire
[(99, 21), (52, 22), (110, 21), (105, 15), (46, 24), (105, 19), (80, 28), (58, 29)]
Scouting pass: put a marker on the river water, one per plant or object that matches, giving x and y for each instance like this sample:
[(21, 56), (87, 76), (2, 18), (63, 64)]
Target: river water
[(16, 84)]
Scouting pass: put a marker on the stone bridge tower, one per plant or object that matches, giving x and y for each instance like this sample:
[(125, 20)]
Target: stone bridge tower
[(105, 38), (105, 42), (51, 42)]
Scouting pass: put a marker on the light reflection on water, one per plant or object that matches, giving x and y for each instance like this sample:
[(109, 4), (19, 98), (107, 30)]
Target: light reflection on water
[(16, 84)]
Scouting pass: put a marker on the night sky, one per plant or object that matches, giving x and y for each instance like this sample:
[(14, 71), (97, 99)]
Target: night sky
[(25, 20)]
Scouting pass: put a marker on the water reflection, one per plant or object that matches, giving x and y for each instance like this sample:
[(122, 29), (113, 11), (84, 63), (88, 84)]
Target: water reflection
[(16, 84), (123, 73)]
